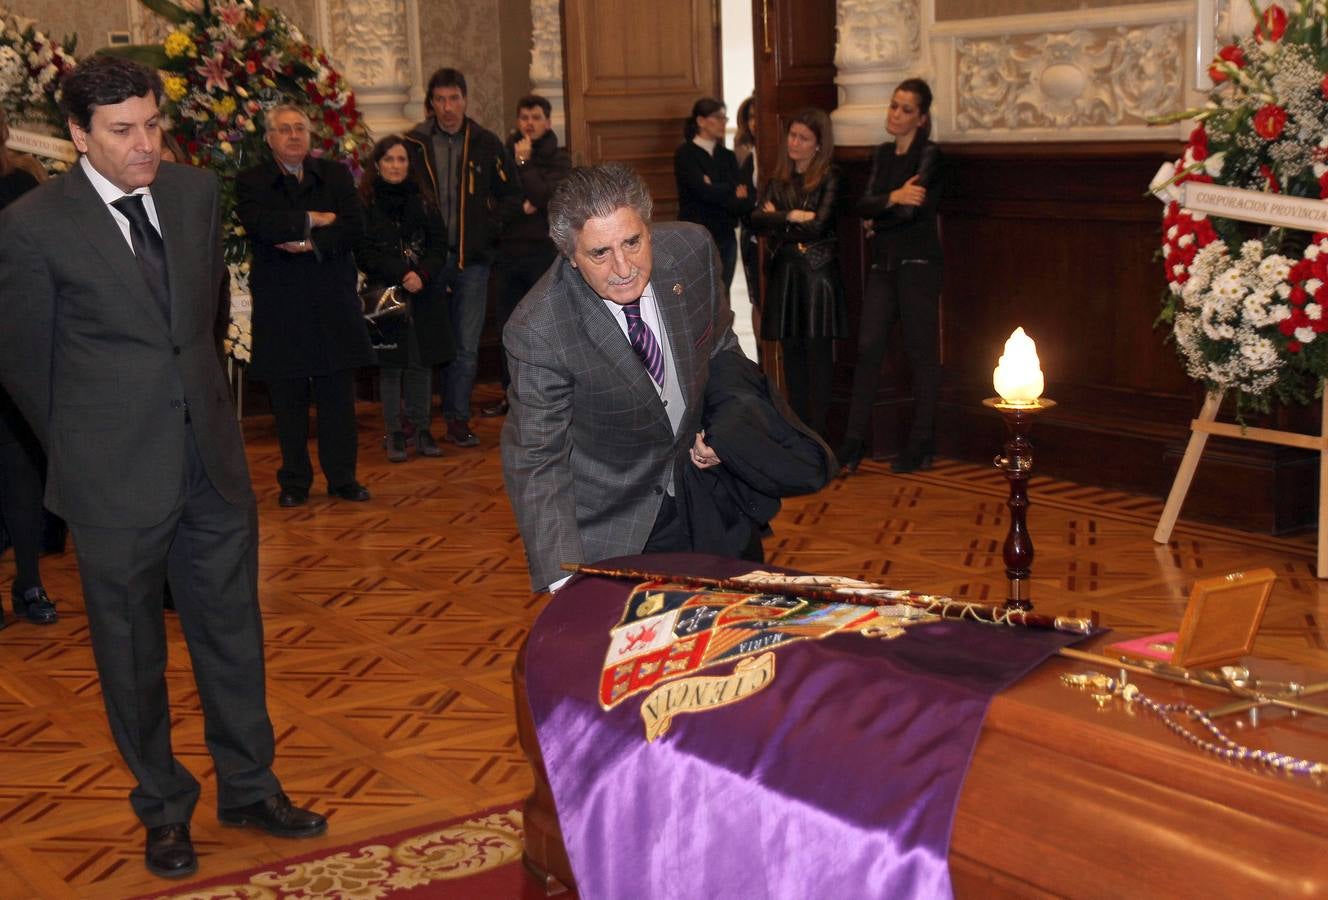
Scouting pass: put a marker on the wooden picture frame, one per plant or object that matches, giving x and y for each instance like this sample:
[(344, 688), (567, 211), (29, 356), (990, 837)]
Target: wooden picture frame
[(1221, 620)]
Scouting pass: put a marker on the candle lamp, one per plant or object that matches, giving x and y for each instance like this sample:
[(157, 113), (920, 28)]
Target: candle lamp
[(1018, 380)]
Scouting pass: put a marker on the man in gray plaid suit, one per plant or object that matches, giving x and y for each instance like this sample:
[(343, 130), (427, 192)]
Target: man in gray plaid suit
[(609, 355)]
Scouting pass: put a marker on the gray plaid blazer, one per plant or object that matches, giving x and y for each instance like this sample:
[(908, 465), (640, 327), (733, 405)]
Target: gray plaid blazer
[(587, 446)]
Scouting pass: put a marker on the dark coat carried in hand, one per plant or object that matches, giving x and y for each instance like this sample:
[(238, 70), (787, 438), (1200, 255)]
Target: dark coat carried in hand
[(402, 234), (767, 453), (307, 317)]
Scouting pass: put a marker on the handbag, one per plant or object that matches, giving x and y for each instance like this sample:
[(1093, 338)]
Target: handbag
[(819, 254), (382, 303)]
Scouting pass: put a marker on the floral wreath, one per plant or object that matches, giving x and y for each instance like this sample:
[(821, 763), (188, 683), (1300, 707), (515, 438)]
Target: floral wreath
[(1246, 308), (31, 66), (223, 67)]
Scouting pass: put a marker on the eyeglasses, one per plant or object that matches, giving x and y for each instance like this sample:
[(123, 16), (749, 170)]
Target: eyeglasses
[(288, 130)]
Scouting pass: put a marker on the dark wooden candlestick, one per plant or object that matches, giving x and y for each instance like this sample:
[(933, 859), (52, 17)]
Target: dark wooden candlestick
[(1017, 463)]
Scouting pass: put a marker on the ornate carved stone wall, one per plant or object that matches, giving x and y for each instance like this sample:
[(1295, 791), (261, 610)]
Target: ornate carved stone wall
[(1025, 70), (546, 59)]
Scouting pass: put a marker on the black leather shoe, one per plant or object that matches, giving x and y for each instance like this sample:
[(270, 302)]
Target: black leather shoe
[(170, 853), (850, 455), (35, 606), (355, 492), (494, 410), (277, 816), (293, 497), (913, 457)]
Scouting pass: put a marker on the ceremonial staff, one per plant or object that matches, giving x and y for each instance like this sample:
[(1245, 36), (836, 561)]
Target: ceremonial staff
[(864, 595)]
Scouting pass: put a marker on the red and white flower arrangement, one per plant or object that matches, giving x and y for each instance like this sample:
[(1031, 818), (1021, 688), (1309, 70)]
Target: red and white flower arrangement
[(31, 65), (1247, 308)]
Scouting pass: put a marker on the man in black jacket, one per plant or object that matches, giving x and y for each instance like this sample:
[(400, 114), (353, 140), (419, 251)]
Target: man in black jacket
[(525, 251), (468, 167)]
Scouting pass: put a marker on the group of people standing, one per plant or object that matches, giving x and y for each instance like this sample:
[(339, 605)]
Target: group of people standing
[(438, 211), (803, 307)]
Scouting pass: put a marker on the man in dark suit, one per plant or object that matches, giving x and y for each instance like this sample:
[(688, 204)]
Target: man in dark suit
[(302, 216), (609, 355), (109, 279)]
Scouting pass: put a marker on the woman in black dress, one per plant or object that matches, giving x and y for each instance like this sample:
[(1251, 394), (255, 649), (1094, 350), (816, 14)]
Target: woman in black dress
[(21, 458), (711, 191), (744, 149), (905, 279), (405, 244), (804, 300)]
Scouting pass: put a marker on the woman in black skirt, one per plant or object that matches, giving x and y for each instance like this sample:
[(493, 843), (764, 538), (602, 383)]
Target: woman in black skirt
[(21, 458), (804, 301), (905, 279)]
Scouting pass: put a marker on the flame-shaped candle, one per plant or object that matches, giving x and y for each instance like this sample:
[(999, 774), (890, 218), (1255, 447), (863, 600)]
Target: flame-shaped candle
[(1018, 375)]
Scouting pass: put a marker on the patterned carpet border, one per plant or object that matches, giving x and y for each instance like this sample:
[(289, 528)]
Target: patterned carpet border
[(474, 856)]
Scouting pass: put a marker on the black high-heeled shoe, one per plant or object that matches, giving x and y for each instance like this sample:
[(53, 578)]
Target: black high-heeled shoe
[(914, 457), (850, 455)]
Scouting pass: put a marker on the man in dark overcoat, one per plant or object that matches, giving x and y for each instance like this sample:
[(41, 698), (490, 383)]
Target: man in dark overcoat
[(302, 216)]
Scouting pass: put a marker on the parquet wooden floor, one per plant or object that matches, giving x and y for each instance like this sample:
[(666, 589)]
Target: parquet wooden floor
[(392, 626)]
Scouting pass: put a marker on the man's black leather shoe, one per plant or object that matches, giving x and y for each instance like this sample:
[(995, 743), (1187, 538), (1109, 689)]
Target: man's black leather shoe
[(494, 410), (35, 606), (277, 816), (355, 492), (170, 853), (293, 497)]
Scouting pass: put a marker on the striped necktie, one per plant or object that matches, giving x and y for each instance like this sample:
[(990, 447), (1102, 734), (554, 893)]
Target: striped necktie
[(644, 343)]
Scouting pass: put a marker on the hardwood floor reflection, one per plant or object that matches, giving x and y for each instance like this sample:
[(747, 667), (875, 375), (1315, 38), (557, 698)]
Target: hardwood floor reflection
[(392, 626)]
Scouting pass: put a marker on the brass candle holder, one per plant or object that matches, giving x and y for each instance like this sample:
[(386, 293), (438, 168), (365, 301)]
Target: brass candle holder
[(1017, 463)]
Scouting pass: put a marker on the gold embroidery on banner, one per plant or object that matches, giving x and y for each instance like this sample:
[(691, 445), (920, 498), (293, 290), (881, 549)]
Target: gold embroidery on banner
[(702, 692), (652, 604)]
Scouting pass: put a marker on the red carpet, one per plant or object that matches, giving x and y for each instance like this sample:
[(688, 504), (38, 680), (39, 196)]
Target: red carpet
[(477, 857)]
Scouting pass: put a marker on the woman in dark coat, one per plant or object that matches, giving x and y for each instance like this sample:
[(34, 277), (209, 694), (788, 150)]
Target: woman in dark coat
[(804, 300), (21, 458), (904, 284), (711, 191), (405, 243), (744, 150)]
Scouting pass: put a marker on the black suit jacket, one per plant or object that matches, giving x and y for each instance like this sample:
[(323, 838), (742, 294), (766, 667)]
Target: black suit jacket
[(97, 370)]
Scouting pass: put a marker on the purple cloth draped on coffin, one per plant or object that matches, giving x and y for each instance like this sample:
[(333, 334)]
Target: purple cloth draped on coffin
[(839, 779)]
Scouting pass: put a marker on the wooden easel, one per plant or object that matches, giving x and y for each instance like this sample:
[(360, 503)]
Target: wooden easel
[(1207, 424)]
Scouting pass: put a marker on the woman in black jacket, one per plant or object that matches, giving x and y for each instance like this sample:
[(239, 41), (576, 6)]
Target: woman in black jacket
[(804, 299), (405, 243), (905, 278), (711, 192)]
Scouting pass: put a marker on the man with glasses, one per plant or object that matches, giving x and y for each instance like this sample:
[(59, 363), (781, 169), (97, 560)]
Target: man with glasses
[(302, 216)]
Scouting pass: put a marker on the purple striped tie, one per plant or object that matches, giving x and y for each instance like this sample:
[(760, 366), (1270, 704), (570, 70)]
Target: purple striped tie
[(644, 343)]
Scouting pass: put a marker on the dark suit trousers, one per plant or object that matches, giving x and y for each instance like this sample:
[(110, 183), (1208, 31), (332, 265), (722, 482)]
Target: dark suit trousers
[(911, 295), (335, 396), (209, 550)]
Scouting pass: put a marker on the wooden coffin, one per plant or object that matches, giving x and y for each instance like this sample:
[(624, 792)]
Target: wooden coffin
[(1071, 799)]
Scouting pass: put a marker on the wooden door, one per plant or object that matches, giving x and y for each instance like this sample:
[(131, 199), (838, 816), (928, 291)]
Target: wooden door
[(794, 42), (633, 72)]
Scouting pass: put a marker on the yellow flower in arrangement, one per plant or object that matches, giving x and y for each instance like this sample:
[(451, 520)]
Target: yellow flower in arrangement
[(224, 107), (175, 87), (179, 44), (226, 148)]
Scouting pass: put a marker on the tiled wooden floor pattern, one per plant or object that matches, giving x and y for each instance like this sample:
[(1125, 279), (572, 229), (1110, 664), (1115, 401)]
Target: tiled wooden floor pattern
[(392, 626)]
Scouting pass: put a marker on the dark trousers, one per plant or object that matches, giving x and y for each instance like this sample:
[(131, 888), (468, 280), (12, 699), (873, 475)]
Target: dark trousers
[(727, 244), (809, 368), (335, 397), (516, 275), (669, 533), (21, 465), (209, 550), (910, 294)]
